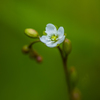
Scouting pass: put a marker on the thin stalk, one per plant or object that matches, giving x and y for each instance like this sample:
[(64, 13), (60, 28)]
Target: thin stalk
[(30, 45), (64, 59)]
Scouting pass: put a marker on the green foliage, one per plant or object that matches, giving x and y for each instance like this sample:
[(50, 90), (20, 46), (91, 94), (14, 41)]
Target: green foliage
[(22, 78)]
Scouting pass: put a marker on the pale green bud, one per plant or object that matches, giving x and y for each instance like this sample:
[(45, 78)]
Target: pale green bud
[(67, 47), (25, 49), (31, 33)]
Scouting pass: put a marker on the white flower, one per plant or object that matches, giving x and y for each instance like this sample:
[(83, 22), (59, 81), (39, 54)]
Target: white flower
[(54, 36)]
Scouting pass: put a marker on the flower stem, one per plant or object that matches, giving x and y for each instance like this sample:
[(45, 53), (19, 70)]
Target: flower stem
[(30, 45), (64, 59)]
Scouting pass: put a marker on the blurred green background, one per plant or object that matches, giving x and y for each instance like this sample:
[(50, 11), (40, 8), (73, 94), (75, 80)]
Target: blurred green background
[(22, 78)]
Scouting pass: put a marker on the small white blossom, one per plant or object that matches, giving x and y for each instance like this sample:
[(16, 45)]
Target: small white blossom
[(54, 36)]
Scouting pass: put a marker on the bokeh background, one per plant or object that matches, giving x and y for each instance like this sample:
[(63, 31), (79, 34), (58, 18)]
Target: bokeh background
[(22, 78)]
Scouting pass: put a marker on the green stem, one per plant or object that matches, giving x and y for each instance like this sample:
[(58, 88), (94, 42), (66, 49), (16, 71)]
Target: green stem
[(64, 59), (30, 45), (34, 54)]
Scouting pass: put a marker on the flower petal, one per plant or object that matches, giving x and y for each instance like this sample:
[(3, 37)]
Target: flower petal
[(44, 39), (51, 44), (50, 29), (61, 39), (60, 31)]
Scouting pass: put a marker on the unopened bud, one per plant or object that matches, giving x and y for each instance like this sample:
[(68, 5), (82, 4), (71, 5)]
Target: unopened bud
[(34, 55), (76, 94), (67, 47), (25, 49), (31, 54), (31, 33), (73, 77), (39, 59)]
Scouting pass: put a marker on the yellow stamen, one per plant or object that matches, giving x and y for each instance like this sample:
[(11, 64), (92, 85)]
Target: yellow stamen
[(53, 38)]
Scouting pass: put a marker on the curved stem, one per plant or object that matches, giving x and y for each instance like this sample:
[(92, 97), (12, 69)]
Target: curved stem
[(61, 53), (64, 59), (30, 45)]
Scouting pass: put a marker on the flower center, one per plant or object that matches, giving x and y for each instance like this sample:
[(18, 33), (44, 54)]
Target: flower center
[(54, 38)]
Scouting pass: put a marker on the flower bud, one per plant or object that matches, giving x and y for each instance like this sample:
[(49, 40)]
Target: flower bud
[(76, 94), (73, 77), (67, 47), (31, 54), (25, 49), (31, 33), (34, 55), (39, 59)]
